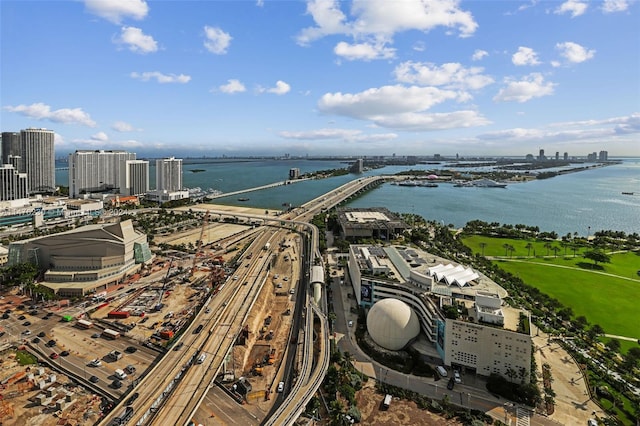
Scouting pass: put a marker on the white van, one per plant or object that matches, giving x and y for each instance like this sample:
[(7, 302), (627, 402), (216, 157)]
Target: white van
[(201, 358), (120, 374), (442, 371)]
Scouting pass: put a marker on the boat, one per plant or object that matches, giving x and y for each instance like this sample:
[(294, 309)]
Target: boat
[(243, 199), (430, 185), (627, 193), (487, 183)]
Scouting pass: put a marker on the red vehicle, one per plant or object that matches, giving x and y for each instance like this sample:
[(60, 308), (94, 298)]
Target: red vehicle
[(53, 355)]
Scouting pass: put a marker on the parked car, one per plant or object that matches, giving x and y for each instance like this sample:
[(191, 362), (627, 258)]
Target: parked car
[(94, 379), (451, 383), (132, 398), (456, 376), (53, 355), (35, 339), (130, 349), (178, 346), (116, 384), (27, 332), (22, 317), (95, 363), (280, 387), (64, 353), (51, 343), (26, 323), (41, 334)]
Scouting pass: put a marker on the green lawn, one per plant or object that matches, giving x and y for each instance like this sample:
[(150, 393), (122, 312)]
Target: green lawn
[(610, 301), (25, 358)]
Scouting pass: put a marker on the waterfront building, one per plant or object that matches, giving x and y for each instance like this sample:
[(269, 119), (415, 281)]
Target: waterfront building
[(541, 156), (370, 223), (169, 174), (12, 150), (13, 184), (565, 157), (603, 156), (136, 177), (294, 173), (37, 151), (98, 171), (488, 337), (357, 166), (85, 259)]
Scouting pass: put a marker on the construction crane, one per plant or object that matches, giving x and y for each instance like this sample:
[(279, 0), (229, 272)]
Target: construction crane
[(205, 221), (164, 285)]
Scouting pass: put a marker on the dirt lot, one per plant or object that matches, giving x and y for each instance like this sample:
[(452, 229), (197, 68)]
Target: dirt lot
[(273, 301), (18, 406), (400, 412)]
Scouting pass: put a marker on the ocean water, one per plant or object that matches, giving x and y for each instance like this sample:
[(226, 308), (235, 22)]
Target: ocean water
[(582, 202)]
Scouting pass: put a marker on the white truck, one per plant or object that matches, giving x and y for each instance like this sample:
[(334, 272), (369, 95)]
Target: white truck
[(266, 246)]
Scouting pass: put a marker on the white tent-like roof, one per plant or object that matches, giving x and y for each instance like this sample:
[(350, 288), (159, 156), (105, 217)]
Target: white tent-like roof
[(458, 275)]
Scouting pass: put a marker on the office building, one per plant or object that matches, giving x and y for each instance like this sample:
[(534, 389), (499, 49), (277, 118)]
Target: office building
[(370, 223), (13, 185), (38, 153), (98, 172), (169, 174), (137, 177), (12, 151)]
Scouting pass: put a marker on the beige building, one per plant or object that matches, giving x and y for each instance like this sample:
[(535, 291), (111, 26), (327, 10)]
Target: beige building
[(488, 350), (85, 259)]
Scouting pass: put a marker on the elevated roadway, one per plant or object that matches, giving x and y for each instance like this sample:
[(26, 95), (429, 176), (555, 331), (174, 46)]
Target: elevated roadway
[(172, 391)]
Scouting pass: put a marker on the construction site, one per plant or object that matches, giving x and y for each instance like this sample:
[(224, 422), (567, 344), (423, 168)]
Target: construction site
[(35, 395)]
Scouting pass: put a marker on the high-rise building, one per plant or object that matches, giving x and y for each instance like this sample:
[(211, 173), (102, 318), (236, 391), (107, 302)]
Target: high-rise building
[(557, 155), (137, 177), (541, 156), (98, 171), (566, 156), (39, 156), (11, 147), (603, 156), (13, 185), (294, 173), (169, 174)]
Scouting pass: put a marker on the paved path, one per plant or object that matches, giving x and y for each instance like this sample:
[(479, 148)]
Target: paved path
[(506, 259), (614, 336)]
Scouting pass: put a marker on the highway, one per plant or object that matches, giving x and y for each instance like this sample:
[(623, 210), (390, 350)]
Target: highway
[(172, 391)]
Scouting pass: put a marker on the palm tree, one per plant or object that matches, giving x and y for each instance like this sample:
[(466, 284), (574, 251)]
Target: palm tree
[(511, 250), (547, 245), (555, 250), (529, 246), (505, 246), (482, 246)]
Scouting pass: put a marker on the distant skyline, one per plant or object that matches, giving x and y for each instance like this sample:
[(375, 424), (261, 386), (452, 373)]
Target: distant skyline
[(322, 77)]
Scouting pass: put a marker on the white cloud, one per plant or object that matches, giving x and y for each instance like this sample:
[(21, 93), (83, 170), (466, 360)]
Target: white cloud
[(525, 56), (348, 135), (586, 130), (116, 10), (160, 77), (281, 88), (100, 136), (400, 107), (41, 111), (136, 40), (451, 75), (574, 7), (232, 86), (574, 53), (531, 86), (216, 40), (379, 20), (418, 122), (479, 54), (363, 51), (121, 126), (613, 6)]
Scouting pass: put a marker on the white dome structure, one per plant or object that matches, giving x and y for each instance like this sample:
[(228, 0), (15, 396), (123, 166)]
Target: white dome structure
[(392, 324)]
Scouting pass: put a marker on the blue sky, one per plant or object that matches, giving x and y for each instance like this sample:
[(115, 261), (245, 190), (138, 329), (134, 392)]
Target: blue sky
[(322, 77)]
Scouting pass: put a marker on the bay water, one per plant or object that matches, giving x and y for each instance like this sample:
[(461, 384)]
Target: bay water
[(582, 202)]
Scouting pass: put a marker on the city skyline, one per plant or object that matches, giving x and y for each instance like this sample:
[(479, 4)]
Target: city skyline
[(324, 77)]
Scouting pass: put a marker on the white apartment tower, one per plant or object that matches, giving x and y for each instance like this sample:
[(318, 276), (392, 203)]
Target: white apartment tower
[(169, 174), (137, 177), (39, 157), (13, 185), (98, 171)]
